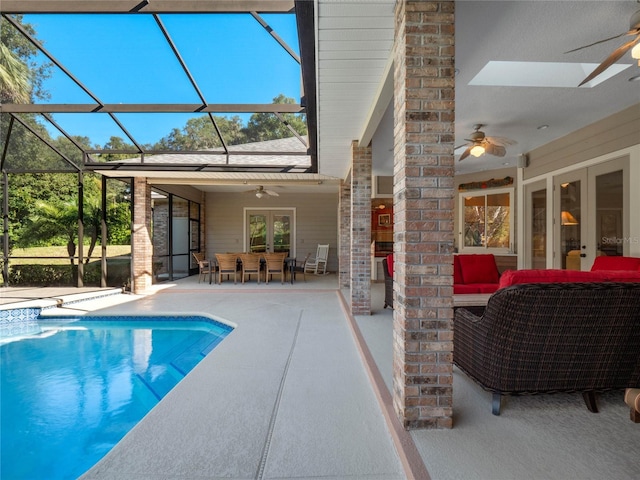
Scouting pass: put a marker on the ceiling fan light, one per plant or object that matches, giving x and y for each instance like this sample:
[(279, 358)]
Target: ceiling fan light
[(259, 194), (477, 150), (635, 52)]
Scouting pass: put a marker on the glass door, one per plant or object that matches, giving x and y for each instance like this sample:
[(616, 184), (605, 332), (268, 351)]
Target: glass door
[(536, 227), (610, 223), (270, 231), (569, 220), (590, 214)]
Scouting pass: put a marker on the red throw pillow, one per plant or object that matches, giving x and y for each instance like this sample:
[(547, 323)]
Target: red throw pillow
[(457, 271), (514, 277), (615, 263), (479, 268)]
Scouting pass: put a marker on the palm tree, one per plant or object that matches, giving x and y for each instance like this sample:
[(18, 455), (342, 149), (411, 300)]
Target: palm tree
[(54, 220), (15, 78)]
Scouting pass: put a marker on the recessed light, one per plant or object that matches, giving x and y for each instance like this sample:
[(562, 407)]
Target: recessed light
[(506, 163), (543, 127)]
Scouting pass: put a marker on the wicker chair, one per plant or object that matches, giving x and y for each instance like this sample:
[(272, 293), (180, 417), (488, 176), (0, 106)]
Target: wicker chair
[(227, 265), (204, 265), (274, 264), (250, 265), (552, 337)]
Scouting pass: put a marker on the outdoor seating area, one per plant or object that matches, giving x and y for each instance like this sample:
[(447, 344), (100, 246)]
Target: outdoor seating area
[(552, 337)]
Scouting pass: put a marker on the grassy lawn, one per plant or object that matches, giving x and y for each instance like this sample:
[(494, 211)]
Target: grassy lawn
[(61, 251)]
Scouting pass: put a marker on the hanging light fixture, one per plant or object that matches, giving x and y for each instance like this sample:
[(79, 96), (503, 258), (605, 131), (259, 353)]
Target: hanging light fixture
[(477, 150), (567, 218), (259, 194)]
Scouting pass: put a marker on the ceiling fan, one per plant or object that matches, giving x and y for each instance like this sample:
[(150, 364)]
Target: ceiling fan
[(633, 31), (260, 192), (481, 144)]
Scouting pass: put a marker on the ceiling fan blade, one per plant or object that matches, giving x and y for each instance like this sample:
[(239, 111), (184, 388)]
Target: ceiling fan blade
[(630, 32), (501, 141), (496, 150), (613, 58), (466, 153), (272, 193)]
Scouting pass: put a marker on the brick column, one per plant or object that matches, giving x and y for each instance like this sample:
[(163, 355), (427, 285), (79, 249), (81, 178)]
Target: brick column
[(141, 245), (344, 245), (423, 213), (361, 230)]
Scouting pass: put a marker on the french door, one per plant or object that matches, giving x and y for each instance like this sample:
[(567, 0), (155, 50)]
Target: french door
[(591, 216), (270, 230)]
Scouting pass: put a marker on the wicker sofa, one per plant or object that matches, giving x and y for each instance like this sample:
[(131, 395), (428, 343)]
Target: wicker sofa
[(552, 337)]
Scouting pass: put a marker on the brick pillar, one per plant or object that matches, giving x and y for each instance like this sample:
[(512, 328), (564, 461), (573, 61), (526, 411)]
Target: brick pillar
[(344, 245), (141, 245), (361, 230), (423, 213)]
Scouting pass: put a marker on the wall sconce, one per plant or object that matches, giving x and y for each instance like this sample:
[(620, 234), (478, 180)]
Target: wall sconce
[(568, 219)]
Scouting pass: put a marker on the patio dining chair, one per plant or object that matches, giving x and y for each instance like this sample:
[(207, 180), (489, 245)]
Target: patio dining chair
[(250, 265), (274, 264), (204, 265), (227, 265), (301, 268), (319, 262)]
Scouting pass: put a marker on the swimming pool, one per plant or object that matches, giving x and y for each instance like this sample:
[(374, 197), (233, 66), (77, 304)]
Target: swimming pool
[(70, 392)]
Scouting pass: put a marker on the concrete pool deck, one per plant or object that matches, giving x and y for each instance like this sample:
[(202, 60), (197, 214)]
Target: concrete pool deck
[(295, 392)]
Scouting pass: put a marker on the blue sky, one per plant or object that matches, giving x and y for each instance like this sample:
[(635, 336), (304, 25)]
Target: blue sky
[(125, 59)]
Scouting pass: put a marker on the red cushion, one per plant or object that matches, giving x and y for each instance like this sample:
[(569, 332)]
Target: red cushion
[(479, 268), (513, 277), (616, 263), (457, 271), (620, 275)]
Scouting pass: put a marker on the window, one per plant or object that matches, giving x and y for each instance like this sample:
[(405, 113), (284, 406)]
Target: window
[(486, 220)]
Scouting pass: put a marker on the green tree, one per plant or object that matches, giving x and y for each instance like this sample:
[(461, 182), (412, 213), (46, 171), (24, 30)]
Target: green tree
[(199, 134), (15, 82), (53, 220), (267, 126), (20, 76)]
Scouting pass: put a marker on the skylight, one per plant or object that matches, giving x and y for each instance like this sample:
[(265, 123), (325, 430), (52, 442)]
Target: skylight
[(542, 74)]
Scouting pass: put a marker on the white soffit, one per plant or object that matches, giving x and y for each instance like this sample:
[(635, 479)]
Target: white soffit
[(542, 74)]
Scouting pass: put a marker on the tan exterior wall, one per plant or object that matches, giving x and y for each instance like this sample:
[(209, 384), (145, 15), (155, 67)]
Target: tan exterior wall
[(618, 131)]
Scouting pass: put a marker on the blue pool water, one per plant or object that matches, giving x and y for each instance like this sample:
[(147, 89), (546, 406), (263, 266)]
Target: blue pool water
[(72, 391)]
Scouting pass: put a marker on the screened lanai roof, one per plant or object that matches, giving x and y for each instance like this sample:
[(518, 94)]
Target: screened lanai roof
[(199, 85)]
